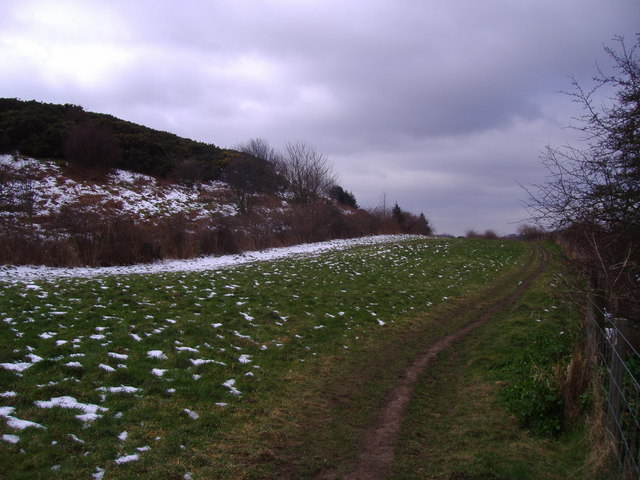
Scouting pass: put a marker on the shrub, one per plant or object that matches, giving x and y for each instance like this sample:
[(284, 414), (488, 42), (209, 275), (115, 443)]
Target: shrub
[(534, 399), (537, 392)]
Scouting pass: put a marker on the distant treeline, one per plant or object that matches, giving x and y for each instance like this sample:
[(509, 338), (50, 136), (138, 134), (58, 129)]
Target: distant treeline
[(44, 130)]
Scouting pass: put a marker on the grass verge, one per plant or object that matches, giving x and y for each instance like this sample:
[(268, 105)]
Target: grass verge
[(467, 417)]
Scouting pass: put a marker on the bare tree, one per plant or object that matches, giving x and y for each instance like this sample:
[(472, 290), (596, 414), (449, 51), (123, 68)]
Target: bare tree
[(260, 148), (308, 172), (247, 176), (594, 192), (531, 233)]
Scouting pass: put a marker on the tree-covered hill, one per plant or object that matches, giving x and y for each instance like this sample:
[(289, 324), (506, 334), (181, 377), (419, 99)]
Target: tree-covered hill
[(44, 130)]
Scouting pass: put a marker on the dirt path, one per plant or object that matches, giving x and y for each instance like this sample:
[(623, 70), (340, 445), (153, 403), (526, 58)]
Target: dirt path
[(377, 451)]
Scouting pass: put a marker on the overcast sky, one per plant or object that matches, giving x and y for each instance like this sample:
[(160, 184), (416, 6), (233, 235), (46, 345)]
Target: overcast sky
[(441, 106)]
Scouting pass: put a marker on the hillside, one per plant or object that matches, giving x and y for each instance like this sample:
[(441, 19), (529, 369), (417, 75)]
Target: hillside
[(80, 188), (55, 215), (44, 130), (51, 216)]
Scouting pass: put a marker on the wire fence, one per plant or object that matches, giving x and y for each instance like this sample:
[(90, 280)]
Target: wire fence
[(619, 361)]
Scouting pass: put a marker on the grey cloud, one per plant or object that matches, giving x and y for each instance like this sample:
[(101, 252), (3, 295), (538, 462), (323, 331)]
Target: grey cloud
[(443, 105)]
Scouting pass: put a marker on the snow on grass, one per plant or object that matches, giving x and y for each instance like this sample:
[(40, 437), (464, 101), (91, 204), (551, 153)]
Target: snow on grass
[(16, 423), (201, 361), (120, 389), (72, 365), (90, 411), (16, 366), (118, 356), (127, 459), (230, 384), (30, 274), (205, 359), (193, 415), (7, 437), (76, 439), (157, 354)]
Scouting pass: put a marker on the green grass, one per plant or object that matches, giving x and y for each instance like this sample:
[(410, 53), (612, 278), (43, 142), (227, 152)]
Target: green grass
[(322, 338), (472, 413)]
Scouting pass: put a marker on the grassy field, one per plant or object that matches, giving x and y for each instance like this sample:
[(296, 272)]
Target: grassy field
[(269, 370), (466, 418)]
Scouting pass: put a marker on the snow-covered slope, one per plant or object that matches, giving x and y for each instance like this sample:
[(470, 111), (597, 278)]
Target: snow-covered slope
[(41, 189), (53, 215)]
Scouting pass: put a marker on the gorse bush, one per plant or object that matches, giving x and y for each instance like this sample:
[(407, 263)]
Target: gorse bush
[(43, 130)]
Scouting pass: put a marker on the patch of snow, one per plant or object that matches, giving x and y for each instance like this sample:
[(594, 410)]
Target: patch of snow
[(193, 415), (187, 349), (230, 385), (119, 356), (157, 354), (19, 424), (127, 458), (98, 474), (17, 366), (202, 361), (10, 438), (88, 417), (90, 410), (75, 439), (16, 423), (72, 365), (120, 389)]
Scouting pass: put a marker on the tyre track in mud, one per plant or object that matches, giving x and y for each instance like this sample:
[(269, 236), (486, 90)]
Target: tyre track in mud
[(377, 451)]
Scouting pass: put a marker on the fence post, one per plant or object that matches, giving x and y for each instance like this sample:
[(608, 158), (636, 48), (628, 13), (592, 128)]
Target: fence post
[(596, 318), (591, 327), (616, 381)]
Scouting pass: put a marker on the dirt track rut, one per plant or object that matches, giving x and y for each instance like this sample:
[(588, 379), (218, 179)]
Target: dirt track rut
[(377, 451)]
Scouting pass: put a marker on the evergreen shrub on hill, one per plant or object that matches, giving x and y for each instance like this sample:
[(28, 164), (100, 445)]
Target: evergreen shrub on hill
[(43, 130)]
